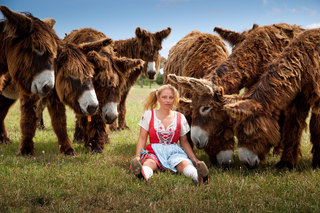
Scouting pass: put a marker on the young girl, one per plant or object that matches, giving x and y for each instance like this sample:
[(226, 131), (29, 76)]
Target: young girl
[(165, 128)]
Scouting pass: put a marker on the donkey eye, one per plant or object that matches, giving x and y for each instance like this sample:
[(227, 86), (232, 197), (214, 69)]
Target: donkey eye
[(73, 77), (205, 110), (103, 84), (39, 52)]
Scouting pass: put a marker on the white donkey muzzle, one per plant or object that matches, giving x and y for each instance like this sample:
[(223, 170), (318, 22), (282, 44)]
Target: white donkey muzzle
[(199, 137), (151, 70), (43, 83), (248, 157), (88, 102), (110, 112)]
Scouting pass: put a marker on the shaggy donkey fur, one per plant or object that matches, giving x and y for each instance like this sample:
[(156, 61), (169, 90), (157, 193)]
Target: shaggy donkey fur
[(145, 46), (111, 74), (212, 129), (73, 87), (291, 84), (28, 47), (195, 55)]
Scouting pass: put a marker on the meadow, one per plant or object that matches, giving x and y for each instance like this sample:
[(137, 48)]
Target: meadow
[(86, 182)]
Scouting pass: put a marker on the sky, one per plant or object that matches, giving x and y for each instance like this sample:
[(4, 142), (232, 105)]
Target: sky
[(118, 19)]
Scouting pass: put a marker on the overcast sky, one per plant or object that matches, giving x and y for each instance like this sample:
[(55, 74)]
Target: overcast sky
[(119, 18)]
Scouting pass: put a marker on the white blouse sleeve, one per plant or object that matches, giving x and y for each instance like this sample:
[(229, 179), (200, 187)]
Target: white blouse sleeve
[(185, 128), (145, 120)]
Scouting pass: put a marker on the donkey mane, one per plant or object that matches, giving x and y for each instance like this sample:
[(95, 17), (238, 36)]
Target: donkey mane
[(76, 61), (268, 41)]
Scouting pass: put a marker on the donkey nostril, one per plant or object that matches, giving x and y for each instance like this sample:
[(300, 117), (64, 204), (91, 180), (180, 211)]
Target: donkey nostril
[(151, 75), (91, 109), (110, 119), (46, 89)]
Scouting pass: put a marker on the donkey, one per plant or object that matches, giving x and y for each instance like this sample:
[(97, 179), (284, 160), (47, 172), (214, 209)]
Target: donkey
[(73, 87), (195, 55), (28, 47), (111, 74), (291, 83), (145, 46), (212, 129)]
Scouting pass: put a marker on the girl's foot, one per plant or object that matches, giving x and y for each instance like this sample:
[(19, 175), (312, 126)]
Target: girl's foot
[(203, 173), (136, 168)]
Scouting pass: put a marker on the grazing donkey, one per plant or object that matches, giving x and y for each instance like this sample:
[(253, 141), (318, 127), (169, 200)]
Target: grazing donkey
[(73, 87), (111, 74), (292, 84), (212, 128)]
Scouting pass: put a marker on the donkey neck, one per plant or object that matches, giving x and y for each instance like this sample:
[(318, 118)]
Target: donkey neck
[(127, 48)]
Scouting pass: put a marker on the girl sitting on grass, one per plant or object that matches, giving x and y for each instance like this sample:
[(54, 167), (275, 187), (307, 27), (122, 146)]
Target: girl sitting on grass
[(165, 128)]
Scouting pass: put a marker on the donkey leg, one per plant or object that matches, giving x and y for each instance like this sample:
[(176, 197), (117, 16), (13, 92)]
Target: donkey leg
[(277, 150), (57, 113), (295, 123), (5, 104), (122, 112), (315, 139), (80, 126), (95, 134), (27, 123), (39, 112)]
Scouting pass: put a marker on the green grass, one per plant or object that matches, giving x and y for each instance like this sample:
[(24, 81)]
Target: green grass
[(51, 182)]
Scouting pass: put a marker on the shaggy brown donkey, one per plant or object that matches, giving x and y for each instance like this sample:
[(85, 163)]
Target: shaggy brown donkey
[(291, 84), (195, 55), (212, 129), (145, 46), (73, 87), (28, 47), (111, 74)]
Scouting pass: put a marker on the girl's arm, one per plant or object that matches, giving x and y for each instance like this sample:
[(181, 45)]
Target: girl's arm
[(142, 141), (187, 148)]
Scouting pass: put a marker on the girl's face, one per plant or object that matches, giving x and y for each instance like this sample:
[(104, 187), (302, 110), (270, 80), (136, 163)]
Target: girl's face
[(166, 99)]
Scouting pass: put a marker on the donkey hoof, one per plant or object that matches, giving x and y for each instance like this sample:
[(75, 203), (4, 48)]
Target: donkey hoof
[(24, 152), (316, 164), (77, 140), (97, 150), (70, 152), (106, 140), (5, 140), (284, 164)]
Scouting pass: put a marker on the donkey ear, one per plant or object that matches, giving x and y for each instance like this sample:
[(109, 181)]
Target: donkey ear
[(50, 22), (95, 58), (185, 103), (17, 23), (180, 80), (163, 34), (140, 33), (96, 45), (240, 109), (127, 65), (233, 38), (202, 86)]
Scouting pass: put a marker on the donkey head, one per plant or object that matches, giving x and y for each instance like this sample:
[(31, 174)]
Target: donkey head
[(256, 130), (233, 38), (109, 78), (30, 48), (149, 46), (206, 97), (211, 129), (74, 75)]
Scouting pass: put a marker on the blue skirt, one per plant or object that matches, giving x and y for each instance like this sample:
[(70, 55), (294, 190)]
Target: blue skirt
[(170, 155)]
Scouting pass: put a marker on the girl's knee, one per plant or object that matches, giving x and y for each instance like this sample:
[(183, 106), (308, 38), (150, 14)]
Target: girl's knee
[(183, 164)]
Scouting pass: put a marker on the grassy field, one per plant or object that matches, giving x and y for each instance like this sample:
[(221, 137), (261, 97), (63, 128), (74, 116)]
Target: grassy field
[(51, 182)]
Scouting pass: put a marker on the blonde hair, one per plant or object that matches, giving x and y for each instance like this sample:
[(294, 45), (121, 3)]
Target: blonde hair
[(152, 98)]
